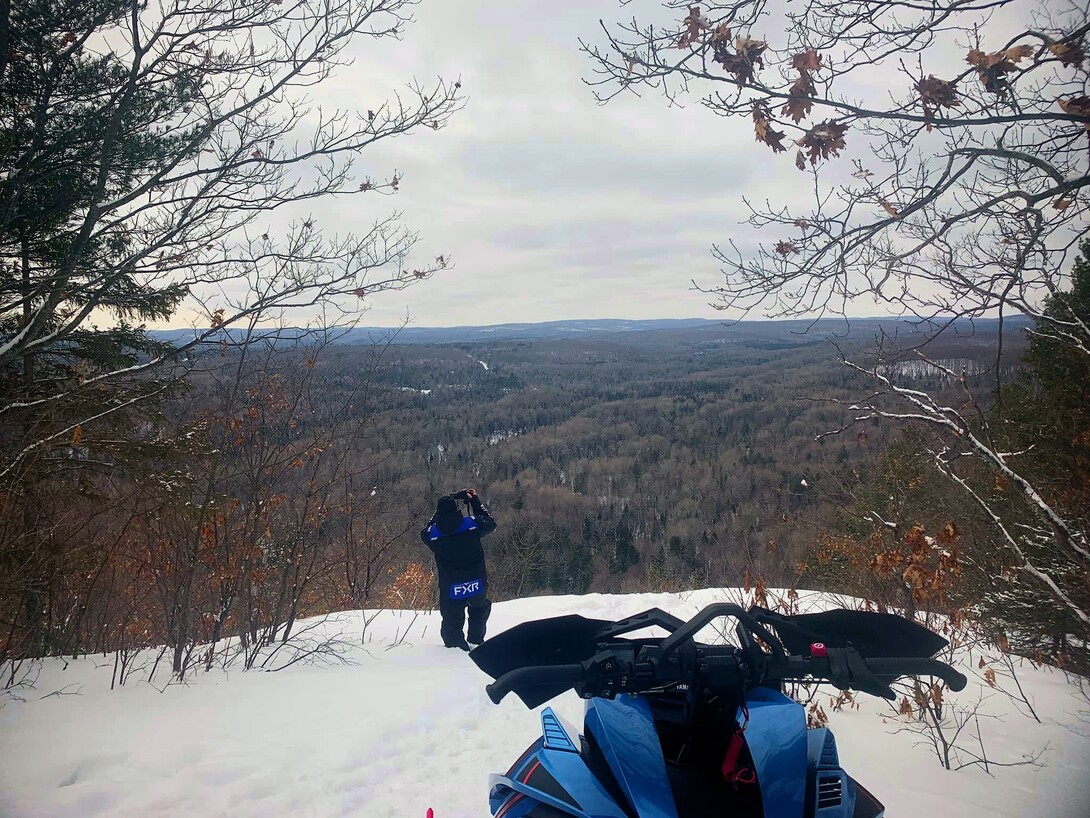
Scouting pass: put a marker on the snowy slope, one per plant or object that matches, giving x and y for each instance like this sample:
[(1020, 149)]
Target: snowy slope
[(408, 727)]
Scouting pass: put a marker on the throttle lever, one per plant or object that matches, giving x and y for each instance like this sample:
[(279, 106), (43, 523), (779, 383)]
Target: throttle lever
[(845, 669), (861, 677)]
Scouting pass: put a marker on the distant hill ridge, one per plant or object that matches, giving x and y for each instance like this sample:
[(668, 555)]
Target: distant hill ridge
[(581, 328)]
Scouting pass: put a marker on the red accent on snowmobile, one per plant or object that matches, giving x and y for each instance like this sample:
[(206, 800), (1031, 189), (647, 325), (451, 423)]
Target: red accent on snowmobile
[(526, 778), (506, 807)]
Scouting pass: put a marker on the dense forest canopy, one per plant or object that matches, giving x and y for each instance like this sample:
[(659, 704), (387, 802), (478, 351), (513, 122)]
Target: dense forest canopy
[(661, 457)]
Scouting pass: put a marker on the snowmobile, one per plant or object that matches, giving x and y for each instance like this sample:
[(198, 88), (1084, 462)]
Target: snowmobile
[(675, 728)]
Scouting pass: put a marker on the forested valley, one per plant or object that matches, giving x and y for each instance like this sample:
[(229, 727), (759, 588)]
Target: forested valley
[(291, 474), (641, 460)]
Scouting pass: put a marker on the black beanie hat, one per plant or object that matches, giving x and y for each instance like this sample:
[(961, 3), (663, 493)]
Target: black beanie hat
[(446, 505)]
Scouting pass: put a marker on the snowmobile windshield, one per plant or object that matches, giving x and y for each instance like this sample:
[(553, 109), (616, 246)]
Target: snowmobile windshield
[(872, 634), (856, 650)]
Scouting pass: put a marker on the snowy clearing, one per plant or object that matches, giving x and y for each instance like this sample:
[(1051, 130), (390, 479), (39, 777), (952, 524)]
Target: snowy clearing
[(404, 728)]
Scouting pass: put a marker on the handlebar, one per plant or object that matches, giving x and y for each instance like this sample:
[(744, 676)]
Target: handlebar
[(919, 667), (567, 676), (610, 672)]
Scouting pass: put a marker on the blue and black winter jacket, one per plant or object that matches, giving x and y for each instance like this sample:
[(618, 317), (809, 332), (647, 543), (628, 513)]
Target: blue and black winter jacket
[(456, 542)]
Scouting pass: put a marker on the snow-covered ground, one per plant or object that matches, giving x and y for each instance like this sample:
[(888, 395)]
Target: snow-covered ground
[(406, 727)]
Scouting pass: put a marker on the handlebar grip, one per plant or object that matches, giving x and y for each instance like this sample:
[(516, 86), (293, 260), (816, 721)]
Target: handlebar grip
[(911, 666), (556, 675)]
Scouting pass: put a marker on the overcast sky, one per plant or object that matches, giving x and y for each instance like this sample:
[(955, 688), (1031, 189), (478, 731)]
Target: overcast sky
[(551, 206)]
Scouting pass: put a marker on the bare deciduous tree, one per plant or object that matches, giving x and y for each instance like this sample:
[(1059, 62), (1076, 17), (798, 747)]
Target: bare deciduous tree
[(966, 127)]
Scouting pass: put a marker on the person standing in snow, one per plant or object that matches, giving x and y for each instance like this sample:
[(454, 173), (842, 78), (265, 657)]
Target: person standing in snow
[(459, 557)]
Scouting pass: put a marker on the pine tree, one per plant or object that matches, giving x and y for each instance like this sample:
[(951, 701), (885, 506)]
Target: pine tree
[(54, 118), (57, 116), (1046, 417)]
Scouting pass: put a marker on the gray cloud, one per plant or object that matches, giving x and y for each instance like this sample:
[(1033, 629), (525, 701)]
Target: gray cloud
[(551, 205), (565, 168)]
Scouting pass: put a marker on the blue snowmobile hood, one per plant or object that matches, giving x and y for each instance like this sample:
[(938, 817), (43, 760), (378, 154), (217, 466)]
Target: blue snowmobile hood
[(798, 770), (776, 736)]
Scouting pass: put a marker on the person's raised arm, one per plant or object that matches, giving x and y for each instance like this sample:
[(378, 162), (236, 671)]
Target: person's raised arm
[(485, 523)]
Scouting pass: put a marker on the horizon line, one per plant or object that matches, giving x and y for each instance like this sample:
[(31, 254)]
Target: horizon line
[(724, 321)]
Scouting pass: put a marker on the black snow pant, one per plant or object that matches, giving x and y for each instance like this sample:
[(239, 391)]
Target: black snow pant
[(453, 612)]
